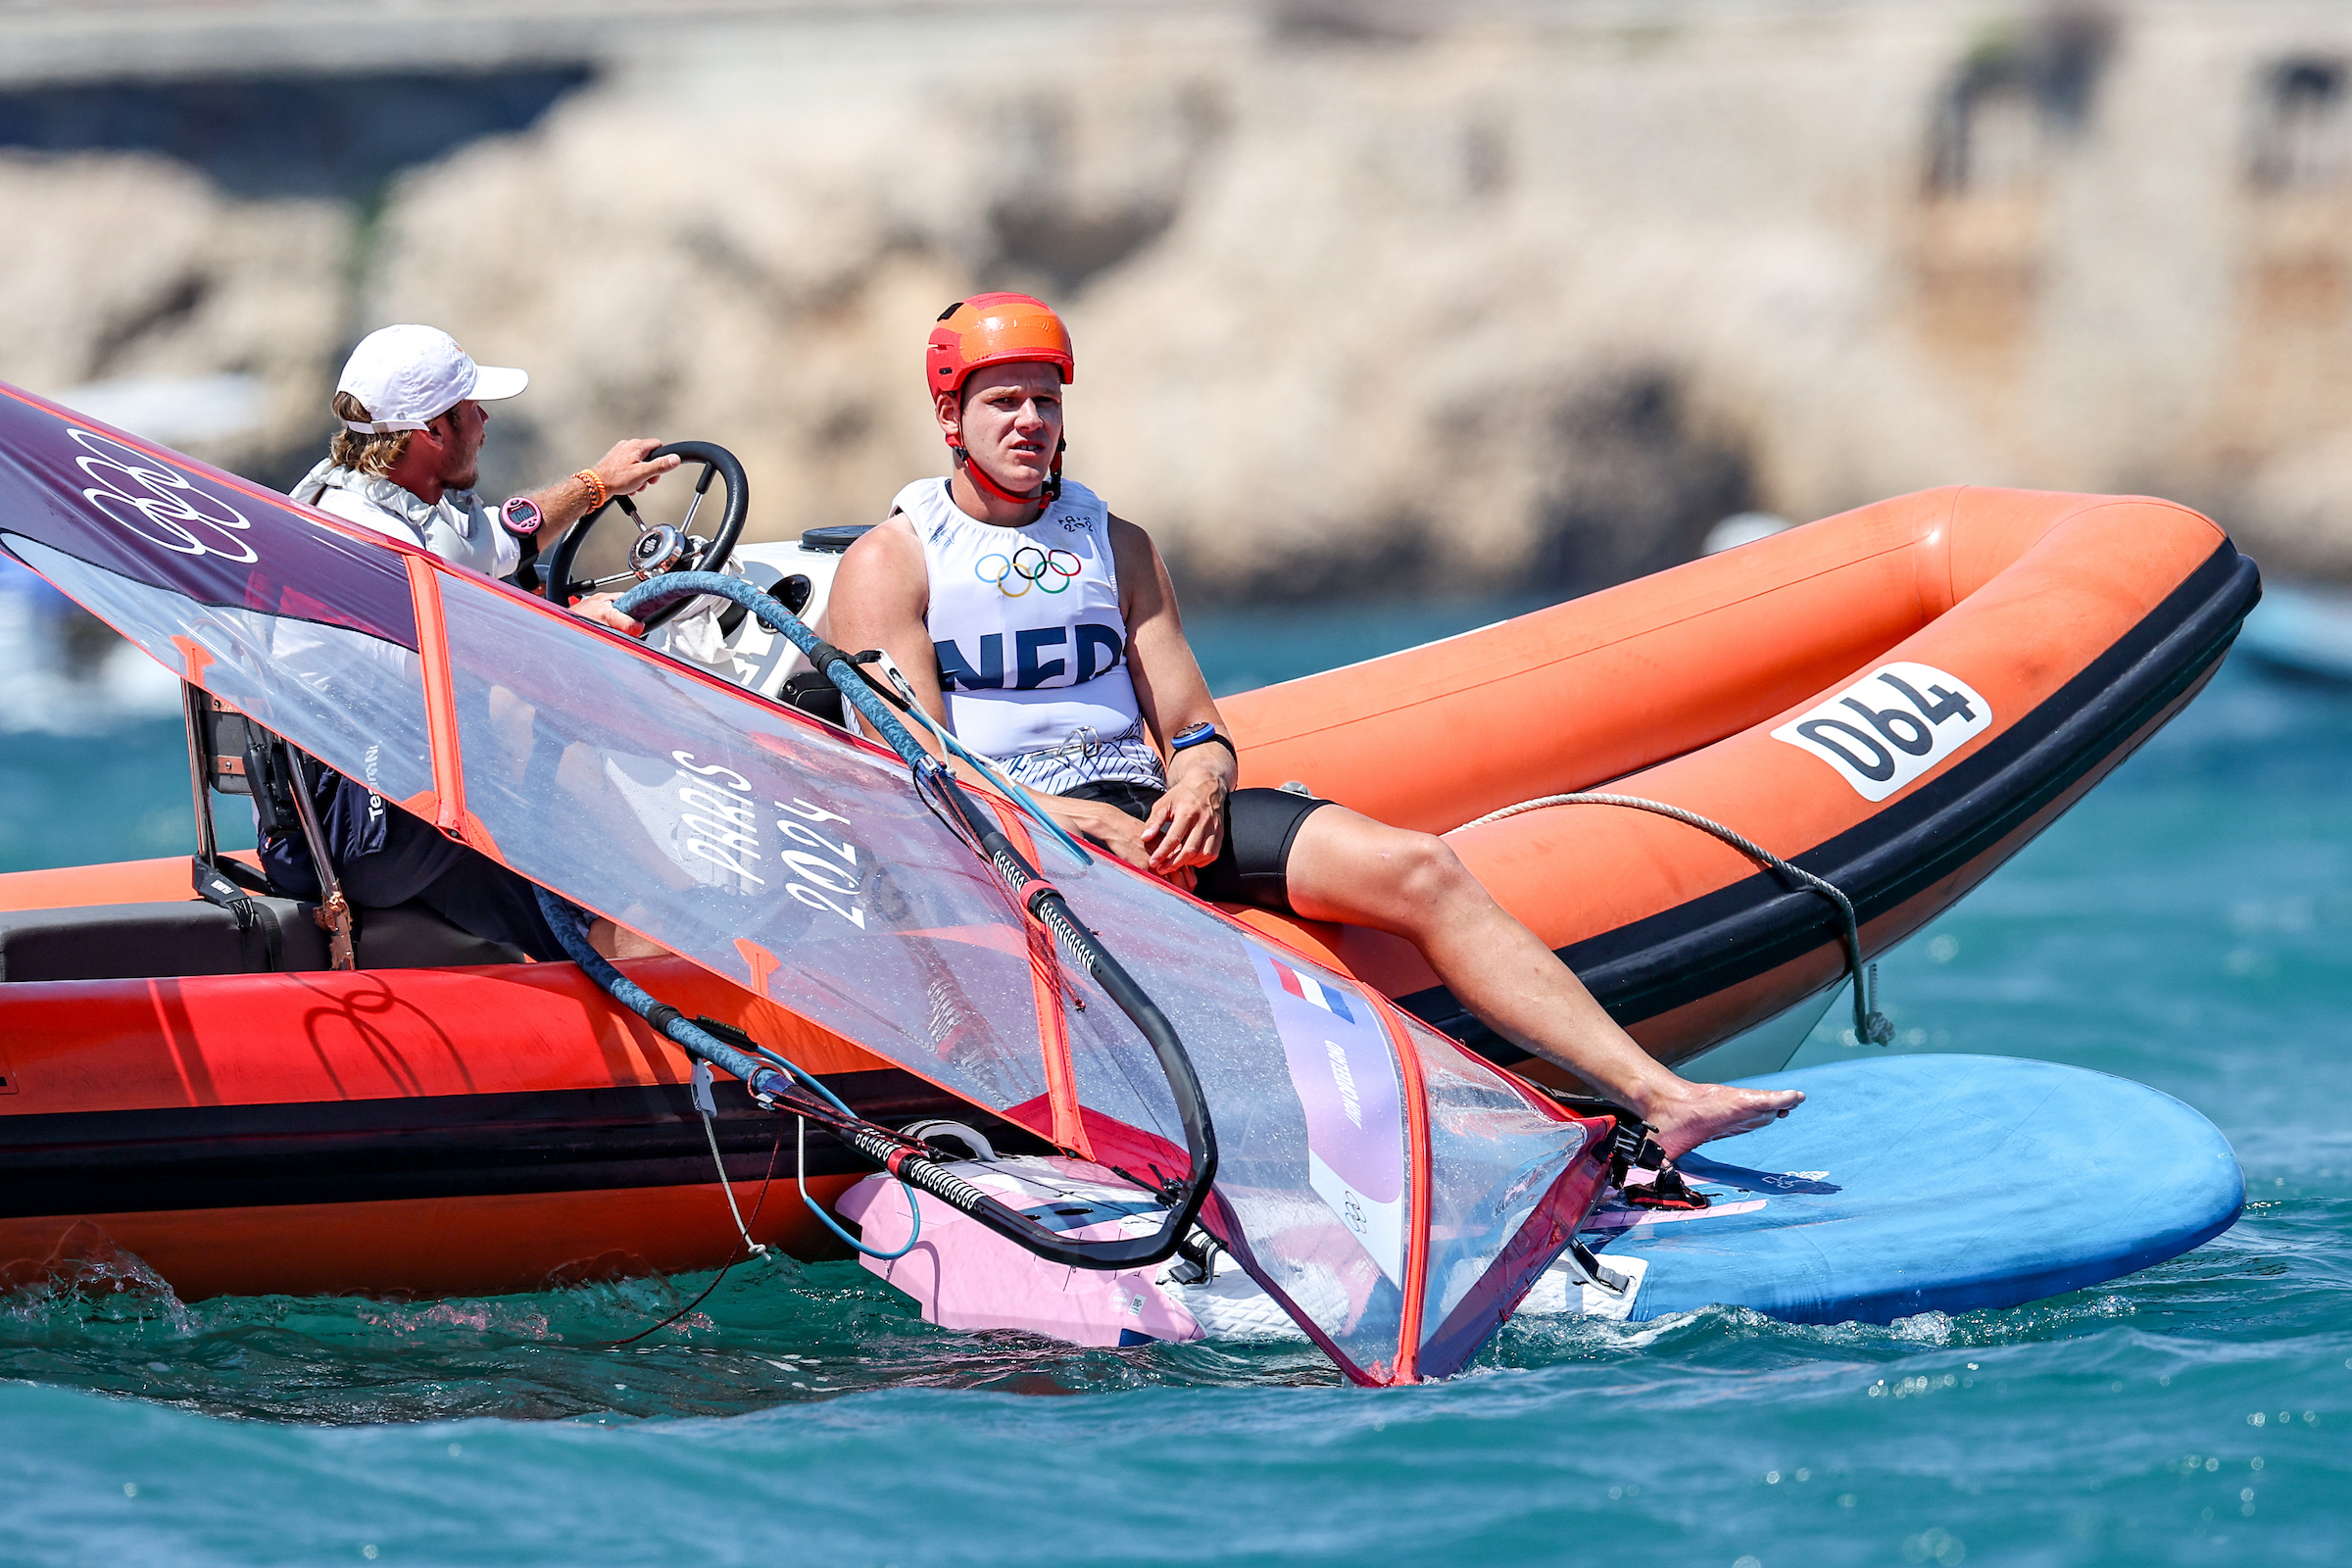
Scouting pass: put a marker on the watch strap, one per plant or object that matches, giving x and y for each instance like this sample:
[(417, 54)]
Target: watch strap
[(1214, 736)]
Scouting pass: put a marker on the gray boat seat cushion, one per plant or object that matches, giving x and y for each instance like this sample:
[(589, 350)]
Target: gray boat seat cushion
[(191, 937), (409, 936)]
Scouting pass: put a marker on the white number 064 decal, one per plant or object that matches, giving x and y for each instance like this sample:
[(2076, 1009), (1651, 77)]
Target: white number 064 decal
[(1890, 726)]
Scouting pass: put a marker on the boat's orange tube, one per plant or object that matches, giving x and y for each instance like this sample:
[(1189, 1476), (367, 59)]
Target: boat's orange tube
[(2081, 621), (419, 1131)]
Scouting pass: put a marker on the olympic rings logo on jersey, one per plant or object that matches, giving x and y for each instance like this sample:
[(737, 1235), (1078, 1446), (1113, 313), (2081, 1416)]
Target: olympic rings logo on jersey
[(1031, 568), (157, 503)]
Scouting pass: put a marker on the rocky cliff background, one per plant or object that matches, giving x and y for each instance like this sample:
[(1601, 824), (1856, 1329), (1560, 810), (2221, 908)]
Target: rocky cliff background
[(1368, 297)]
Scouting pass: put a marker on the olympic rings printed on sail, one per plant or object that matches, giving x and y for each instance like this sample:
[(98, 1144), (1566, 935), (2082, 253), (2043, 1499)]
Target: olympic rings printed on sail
[(157, 503), (1032, 568)]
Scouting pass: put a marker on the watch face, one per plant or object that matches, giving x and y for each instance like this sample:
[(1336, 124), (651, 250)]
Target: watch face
[(519, 517), (1197, 731)]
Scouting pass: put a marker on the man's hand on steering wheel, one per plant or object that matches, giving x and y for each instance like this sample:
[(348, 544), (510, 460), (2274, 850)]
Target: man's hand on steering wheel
[(630, 467), (624, 470)]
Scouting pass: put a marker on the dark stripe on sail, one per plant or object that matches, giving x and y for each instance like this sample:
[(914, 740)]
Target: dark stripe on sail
[(129, 508)]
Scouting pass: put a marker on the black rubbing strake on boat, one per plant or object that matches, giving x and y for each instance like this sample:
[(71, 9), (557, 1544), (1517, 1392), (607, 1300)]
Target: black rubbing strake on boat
[(433, 1145)]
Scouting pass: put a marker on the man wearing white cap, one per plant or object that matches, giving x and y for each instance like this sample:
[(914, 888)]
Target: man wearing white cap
[(405, 464), (410, 453)]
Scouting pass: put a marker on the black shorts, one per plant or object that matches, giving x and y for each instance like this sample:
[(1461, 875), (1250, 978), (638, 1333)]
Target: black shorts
[(1252, 865)]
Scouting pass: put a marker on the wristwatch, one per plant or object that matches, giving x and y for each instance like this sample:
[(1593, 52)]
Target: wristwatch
[(520, 517), (1198, 733)]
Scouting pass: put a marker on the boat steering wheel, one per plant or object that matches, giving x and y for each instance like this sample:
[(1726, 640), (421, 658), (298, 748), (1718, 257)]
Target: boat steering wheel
[(660, 547)]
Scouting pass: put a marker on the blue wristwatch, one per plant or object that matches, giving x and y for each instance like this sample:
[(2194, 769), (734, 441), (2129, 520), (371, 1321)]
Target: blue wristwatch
[(1197, 734)]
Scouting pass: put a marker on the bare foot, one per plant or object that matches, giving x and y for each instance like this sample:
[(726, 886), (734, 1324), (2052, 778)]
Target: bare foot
[(1703, 1112)]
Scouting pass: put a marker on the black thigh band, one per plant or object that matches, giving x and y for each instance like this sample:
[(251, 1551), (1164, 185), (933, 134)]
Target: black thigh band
[(1260, 825)]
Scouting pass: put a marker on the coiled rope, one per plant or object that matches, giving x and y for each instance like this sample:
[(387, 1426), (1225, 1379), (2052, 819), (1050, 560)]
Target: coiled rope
[(1871, 1026)]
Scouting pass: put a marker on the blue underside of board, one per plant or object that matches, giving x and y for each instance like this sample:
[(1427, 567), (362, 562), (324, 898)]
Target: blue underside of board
[(1914, 1184)]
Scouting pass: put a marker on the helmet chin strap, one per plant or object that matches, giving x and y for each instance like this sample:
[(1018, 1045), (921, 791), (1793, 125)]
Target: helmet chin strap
[(1046, 494)]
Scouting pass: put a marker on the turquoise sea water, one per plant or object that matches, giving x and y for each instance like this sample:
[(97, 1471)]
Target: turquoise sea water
[(2189, 926)]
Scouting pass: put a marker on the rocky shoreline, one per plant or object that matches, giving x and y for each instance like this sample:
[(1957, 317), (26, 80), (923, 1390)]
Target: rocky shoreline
[(1380, 299)]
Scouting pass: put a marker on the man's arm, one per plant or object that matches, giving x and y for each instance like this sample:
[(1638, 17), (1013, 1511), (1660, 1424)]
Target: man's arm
[(1187, 828), (625, 471)]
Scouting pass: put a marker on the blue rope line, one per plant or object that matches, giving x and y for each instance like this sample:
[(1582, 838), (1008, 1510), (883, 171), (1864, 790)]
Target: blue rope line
[(1014, 791), (675, 585), (814, 1085), (914, 1208), (657, 592)]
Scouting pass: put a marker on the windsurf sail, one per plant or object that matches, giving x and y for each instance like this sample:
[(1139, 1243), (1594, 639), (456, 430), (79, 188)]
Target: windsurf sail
[(1393, 1192)]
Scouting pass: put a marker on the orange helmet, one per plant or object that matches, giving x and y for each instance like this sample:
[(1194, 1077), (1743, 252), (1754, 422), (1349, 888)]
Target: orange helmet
[(995, 329)]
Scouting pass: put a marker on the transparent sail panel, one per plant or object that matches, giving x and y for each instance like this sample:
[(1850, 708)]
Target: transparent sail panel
[(1313, 1159), (1309, 1121), (348, 699), (1492, 1159), (759, 844)]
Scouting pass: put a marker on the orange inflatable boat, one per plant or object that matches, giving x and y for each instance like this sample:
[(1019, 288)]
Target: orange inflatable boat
[(1894, 699)]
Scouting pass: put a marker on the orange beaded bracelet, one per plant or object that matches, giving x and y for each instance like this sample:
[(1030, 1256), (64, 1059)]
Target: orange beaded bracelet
[(599, 493)]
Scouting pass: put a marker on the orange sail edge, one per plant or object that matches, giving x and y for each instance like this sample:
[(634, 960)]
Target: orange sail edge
[(1050, 997), (1406, 1368)]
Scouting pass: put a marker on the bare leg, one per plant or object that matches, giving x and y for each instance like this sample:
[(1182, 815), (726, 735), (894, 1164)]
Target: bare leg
[(1348, 869)]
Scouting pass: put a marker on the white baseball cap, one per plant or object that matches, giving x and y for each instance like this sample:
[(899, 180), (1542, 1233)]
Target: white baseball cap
[(409, 375)]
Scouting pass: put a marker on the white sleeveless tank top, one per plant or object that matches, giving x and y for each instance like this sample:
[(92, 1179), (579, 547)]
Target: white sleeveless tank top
[(1032, 647)]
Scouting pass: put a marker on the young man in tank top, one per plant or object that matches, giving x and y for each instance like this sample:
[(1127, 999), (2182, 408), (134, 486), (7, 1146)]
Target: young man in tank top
[(1044, 632)]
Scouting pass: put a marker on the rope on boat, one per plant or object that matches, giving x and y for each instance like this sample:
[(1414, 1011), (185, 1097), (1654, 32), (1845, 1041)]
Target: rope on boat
[(1006, 785), (1871, 1026), (569, 923), (800, 1176), (726, 1269), (704, 1104)]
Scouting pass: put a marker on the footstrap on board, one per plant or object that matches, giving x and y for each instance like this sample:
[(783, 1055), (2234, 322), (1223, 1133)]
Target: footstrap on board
[(1668, 1190)]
